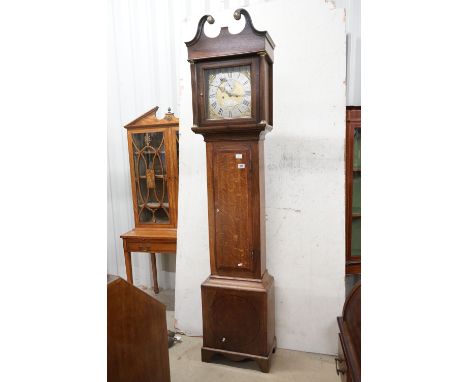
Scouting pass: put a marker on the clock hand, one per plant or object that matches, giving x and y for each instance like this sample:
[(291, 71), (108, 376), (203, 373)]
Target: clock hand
[(232, 94)]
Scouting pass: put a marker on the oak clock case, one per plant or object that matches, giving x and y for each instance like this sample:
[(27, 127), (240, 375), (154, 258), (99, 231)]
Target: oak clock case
[(232, 108)]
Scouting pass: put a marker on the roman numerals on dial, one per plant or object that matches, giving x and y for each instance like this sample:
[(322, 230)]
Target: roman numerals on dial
[(229, 92)]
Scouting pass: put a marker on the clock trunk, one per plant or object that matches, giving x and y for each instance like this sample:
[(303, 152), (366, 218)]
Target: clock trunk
[(236, 207)]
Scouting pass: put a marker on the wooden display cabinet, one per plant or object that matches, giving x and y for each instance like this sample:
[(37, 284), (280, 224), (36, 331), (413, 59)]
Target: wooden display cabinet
[(353, 190), (232, 94), (153, 148)]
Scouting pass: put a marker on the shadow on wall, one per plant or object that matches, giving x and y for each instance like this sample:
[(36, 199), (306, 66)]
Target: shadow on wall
[(168, 262)]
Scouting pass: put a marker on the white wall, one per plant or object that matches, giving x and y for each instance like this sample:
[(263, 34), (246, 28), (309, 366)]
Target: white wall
[(305, 200)]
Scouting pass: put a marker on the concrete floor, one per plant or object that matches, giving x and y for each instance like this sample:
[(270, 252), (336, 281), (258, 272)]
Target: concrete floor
[(287, 365)]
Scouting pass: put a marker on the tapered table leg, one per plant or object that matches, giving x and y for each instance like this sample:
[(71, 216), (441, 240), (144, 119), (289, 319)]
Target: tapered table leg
[(155, 273), (128, 266)]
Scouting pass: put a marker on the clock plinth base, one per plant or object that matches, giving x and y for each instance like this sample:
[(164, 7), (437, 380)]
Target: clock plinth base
[(264, 363), (238, 319)]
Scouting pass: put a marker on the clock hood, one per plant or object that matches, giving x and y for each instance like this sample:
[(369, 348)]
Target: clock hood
[(202, 47)]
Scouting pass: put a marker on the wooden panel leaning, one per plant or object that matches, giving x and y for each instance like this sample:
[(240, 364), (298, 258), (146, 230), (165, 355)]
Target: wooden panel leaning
[(348, 362), (137, 349)]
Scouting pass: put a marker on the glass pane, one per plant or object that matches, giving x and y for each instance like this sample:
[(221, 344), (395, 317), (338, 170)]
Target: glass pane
[(356, 238), (228, 92), (356, 192), (357, 149), (149, 156)]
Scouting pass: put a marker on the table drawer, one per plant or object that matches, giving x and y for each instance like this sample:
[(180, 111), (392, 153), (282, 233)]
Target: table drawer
[(156, 246), (141, 246)]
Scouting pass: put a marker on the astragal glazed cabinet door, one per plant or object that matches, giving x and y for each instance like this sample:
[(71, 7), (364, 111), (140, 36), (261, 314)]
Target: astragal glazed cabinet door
[(153, 152), (150, 173)]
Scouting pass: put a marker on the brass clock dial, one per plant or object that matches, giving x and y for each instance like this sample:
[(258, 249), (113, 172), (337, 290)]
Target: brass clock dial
[(229, 93)]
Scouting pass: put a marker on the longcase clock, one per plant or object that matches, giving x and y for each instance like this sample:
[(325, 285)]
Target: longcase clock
[(232, 82)]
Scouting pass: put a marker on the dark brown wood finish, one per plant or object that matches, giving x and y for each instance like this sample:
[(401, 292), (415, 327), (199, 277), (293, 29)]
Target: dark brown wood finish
[(353, 121), (348, 362), (236, 208), (251, 47), (238, 297), (238, 319), (137, 348), (253, 62), (249, 41), (153, 237), (233, 215)]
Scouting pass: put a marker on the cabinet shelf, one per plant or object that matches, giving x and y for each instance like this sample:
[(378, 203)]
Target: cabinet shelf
[(154, 205), (150, 152), (356, 169), (156, 176), (356, 215)]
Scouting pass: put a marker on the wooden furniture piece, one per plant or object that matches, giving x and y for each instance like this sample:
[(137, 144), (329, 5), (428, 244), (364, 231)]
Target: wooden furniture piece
[(137, 348), (153, 148), (353, 190), (232, 94), (348, 362)]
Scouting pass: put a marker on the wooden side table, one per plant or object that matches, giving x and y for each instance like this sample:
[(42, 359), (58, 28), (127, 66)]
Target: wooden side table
[(148, 240)]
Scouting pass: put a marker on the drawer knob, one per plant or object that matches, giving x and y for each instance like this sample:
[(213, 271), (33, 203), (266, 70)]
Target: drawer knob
[(223, 339)]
